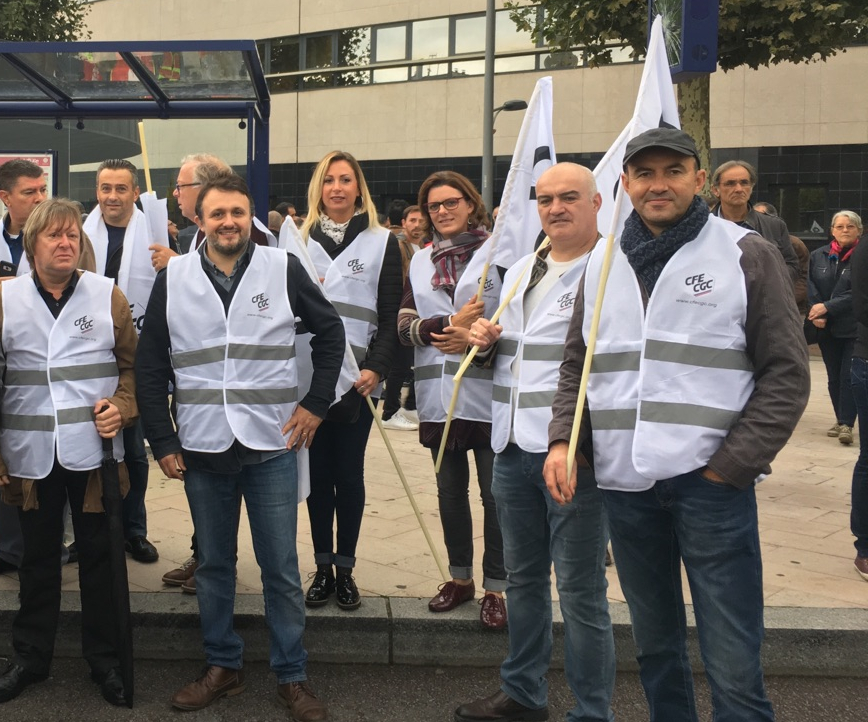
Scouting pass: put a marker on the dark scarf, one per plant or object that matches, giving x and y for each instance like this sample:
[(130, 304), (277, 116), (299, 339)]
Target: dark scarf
[(648, 255), (835, 249), (451, 256)]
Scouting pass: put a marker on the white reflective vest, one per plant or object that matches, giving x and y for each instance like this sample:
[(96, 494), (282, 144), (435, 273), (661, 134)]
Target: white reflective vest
[(235, 375), (524, 405), (667, 384), (56, 371), (434, 371), (352, 286)]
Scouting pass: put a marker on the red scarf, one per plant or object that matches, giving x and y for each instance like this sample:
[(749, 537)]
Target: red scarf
[(835, 249)]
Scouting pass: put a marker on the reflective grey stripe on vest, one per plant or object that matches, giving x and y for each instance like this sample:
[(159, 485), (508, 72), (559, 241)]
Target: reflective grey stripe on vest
[(360, 313), (688, 414), (543, 352), (199, 357), (450, 368), (507, 346), (427, 373), (77, 415), (260, 352), (501, 394), (359, 353), (26, 377), (85, 371), (613, 419), (203, 397), (22, 422), (607, 363), (536, 399), (685, 353)]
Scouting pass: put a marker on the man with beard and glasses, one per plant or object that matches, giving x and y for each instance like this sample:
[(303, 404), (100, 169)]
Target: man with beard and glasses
[(221, 329)]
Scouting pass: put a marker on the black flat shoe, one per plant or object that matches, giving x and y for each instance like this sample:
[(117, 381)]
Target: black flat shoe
[(15, 680), (347, 591), (322, 586), (142, 550), (111, 686)]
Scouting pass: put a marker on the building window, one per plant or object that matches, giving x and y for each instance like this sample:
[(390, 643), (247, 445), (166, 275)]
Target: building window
[(390, 43), (803, 208)]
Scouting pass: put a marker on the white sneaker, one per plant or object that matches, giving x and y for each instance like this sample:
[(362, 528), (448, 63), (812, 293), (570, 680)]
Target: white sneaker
[(399, 422), (411, 415)]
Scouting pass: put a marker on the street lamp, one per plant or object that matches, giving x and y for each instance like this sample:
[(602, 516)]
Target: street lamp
[(488, 149), (508, 106)]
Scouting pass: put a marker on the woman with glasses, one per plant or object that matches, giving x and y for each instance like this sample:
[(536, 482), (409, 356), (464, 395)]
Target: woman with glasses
[(440, 303), (831, 311), (360, 263)]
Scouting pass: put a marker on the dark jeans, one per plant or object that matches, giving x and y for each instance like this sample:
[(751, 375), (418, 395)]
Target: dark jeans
[(837, 353), (712, 529), (337, 488), (35, 625), (859, 500), (136, 459), (401, 371), (453, 486)]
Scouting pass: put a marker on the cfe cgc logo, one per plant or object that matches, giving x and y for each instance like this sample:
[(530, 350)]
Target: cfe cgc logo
[(84, 324), (489, 283), (260, 300), (566, 301), (700, 284), (355, 265)]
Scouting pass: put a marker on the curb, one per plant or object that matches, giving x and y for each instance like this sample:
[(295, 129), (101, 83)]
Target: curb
[(399, 630)]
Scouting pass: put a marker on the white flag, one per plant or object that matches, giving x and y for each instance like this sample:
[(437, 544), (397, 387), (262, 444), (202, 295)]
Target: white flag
[(518, 225), (656, 106)]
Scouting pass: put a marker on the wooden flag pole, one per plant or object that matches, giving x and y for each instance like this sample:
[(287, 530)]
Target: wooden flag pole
[(145, 163)]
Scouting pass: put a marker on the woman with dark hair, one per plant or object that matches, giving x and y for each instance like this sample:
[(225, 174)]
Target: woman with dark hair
[(439, 305), (831, 310), (360, 263)]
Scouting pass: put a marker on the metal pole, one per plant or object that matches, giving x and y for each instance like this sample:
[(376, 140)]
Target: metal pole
[(487, 110)]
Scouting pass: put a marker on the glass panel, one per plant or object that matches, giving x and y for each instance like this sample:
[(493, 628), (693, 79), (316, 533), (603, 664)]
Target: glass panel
[(319, 52), (803, 208), (469, 67), (621, 54), (284, 55), (430, 39), (354, 46), (515, 65), (391, 44), (357, 77), (88, 76), (390, 75), (210, 74), (559, 60), (286, 84), (432, 70), (508, 36), (470, 35), (13, 86)]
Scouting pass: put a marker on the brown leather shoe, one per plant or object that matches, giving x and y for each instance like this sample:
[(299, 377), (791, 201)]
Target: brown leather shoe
[(451, 595), (493, 611), (500, 707), (189, 586), (176, 577), (304, 705), (217, 682)]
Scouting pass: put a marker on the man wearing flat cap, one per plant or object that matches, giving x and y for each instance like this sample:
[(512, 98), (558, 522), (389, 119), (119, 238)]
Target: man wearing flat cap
[(698, 379)]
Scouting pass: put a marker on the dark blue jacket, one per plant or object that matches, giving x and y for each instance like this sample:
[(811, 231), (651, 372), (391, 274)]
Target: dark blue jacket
[(829, 283)]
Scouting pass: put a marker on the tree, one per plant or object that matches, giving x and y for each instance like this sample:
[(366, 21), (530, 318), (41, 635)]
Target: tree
[(751, 32), (44, 20)]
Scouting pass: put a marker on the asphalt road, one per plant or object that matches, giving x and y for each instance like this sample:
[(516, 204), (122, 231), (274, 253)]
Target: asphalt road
[(383, 694)]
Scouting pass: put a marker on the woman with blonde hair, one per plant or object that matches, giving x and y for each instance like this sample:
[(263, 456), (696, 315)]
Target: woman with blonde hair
[(439, 305), (360, 263)]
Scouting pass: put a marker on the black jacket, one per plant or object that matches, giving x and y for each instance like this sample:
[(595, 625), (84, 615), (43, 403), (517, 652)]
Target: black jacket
[(829, 282), (859, 282)]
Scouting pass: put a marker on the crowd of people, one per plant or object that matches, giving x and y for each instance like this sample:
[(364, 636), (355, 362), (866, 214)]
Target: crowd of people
[(252, 367)]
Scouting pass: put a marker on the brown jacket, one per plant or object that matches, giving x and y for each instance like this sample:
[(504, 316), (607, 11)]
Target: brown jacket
[(24, 492)]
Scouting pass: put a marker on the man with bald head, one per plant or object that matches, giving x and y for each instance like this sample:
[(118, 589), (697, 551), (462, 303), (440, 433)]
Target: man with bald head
[(526, 349)]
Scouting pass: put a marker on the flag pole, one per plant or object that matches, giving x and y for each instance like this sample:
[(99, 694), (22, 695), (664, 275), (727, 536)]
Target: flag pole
[(145, 163), (592, 334), (456, 381)]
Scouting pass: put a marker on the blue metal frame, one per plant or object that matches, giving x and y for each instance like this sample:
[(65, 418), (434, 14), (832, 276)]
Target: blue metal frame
[(254, 110)]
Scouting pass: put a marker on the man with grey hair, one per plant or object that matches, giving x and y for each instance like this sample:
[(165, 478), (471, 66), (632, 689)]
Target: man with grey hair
[(538, 531), (732, 184)]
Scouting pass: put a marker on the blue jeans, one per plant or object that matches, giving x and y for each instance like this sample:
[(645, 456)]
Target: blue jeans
[(712, 529), (270, 491), (859, 507), (136, 459), (536, 533)]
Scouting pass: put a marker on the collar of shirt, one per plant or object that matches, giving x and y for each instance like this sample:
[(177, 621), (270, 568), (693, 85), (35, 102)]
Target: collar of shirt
[(217, 275), (55, 305)]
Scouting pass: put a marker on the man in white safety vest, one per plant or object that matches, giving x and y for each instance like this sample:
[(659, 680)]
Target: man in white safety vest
[(537, 530), (699, 377), (221, 329)]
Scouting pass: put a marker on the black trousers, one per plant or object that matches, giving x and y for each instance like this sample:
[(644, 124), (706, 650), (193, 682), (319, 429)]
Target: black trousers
[(35, 625), (402, 369)]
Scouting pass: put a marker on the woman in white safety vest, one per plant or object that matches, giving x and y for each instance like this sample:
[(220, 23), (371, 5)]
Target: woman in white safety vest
[(439, 305), (68, 345), (361, 266)]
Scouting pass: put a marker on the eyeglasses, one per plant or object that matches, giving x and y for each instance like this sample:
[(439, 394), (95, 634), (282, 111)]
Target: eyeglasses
[(450, 204), (744, 183), (179, 186), (844, 228)]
